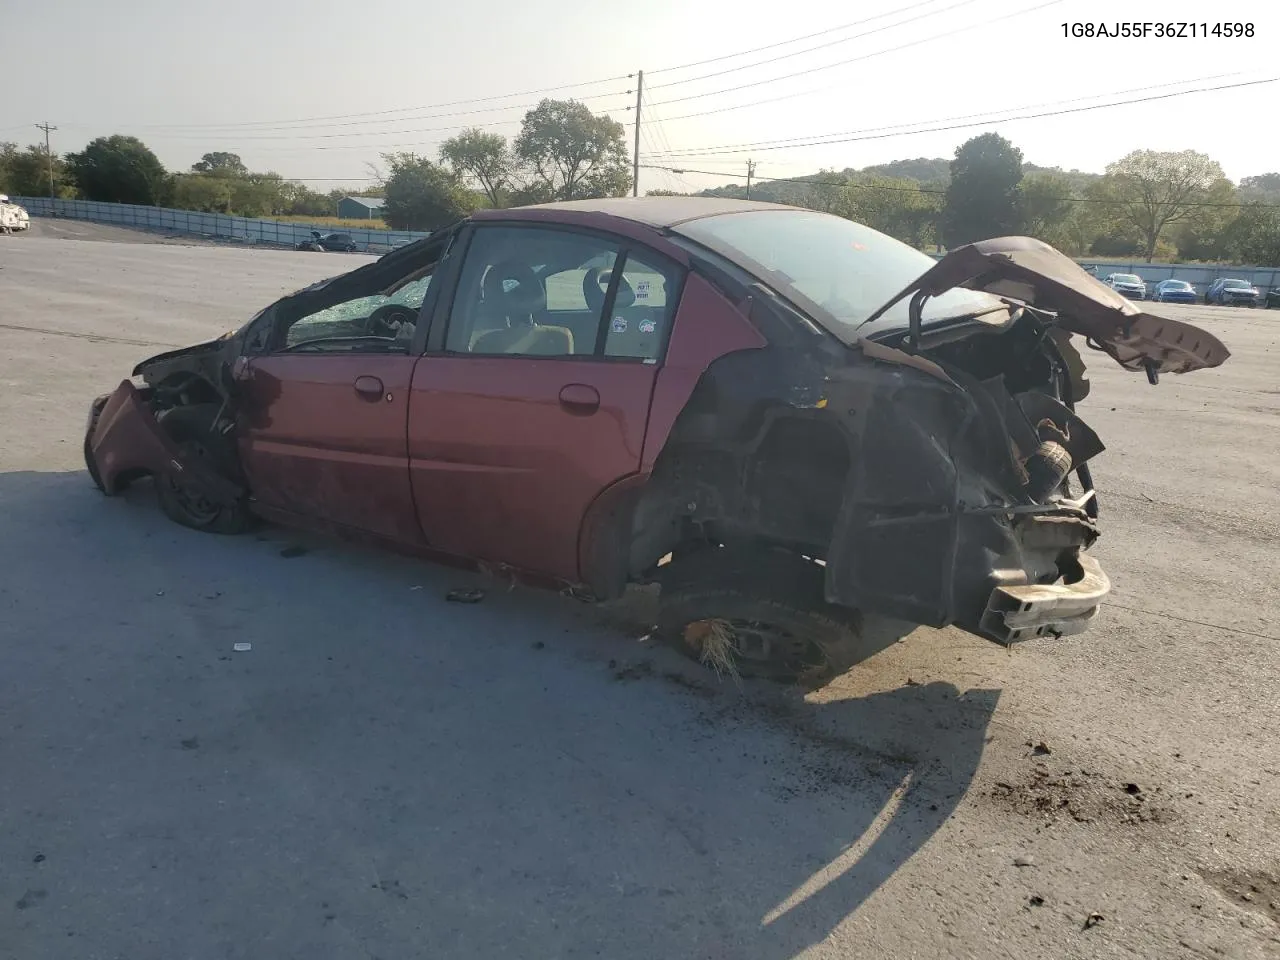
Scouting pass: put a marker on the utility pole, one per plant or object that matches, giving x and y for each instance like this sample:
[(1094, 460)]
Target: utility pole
[(635, 170), (751, 170), (48, 153)]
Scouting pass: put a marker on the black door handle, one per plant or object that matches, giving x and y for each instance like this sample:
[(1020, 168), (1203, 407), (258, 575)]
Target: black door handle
[(369, 388), (580, 398)]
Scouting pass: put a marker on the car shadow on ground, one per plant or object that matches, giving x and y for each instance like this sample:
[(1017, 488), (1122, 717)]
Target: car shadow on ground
[(387, 773)]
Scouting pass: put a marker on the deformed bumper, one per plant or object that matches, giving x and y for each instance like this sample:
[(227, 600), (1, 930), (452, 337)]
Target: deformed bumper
[(123, 440), (1016, 613)]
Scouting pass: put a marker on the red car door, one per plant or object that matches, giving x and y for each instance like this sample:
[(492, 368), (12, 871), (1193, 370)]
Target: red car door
[(324, 434), (533, 405), (326, 440)]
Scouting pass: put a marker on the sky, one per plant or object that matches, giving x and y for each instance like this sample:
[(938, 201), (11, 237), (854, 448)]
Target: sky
[(317, 91)]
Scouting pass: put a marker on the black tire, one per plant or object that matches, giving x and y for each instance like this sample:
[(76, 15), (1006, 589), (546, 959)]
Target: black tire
[(758, 613), (189, 427)]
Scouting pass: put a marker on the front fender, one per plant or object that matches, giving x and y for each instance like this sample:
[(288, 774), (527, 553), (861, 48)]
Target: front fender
[(124, 441)]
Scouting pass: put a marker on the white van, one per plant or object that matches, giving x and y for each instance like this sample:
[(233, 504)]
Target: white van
[(12, 216)]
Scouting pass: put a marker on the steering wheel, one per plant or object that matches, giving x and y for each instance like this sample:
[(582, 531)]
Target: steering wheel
[(595, 294), (388, 319)]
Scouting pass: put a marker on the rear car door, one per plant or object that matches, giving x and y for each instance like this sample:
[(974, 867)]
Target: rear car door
[(326, 408), (534, 393)]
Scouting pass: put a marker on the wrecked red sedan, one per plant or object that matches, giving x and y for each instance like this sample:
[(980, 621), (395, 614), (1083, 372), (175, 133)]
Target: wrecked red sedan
[(785, 419)]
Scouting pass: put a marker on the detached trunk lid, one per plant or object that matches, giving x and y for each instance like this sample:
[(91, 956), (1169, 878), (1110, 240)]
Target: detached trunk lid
[(1031, 271)]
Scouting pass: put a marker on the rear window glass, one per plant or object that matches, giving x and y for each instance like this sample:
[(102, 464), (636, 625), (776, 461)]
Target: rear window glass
[(840, 271)]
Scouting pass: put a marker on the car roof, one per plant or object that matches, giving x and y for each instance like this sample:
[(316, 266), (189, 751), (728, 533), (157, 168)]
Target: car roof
[(659, 212)]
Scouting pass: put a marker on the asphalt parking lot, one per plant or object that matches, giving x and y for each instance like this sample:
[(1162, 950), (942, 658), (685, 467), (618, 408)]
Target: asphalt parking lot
[(389, 775)]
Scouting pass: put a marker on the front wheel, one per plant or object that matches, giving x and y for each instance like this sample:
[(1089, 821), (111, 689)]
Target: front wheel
[(191, 429), (758, 613)]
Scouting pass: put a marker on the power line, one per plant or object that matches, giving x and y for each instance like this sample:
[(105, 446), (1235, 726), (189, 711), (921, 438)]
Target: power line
[(289, 133), (1029, 116), (818, 139), (783, 43), (865, 56), (374, 113), (821, 46), (847, 184)]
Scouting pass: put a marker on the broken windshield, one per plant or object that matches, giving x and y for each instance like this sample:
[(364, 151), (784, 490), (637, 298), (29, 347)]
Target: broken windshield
[(837, 270)]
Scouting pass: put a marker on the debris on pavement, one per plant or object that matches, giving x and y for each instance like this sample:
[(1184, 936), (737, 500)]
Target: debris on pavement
[(1023, 862), (1093, 920), (1039, 748), (465, 595), (242, 647)]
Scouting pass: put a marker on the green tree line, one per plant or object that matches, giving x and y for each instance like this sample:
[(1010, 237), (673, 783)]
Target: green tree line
[(563, 152), (1147, 204)]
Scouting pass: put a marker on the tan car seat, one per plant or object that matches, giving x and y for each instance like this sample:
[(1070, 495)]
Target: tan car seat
[(516, 308)]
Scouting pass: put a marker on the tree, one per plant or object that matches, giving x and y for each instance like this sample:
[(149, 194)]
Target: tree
[(1255, 235), (572, 153), (485, 158), (221, 164), (1148, 191), (982, 199), (1203, 234), (299, 200), (257, 194), (1045, 206), (119, 169), (198, 191), (1265, 186), (25, 173), (421, 195), (892, 205)]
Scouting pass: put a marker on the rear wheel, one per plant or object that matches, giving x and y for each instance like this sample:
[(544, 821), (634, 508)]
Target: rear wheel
[(191, 429), (758, 613)]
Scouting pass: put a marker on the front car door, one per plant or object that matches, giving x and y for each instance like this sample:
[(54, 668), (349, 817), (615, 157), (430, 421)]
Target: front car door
[(534, 394), (327, 401)]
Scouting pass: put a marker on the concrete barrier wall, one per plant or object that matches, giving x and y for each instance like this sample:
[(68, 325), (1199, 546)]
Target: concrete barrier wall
[(221, 225)]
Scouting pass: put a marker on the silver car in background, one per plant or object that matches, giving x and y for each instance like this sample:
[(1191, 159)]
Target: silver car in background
[(1128, 285)]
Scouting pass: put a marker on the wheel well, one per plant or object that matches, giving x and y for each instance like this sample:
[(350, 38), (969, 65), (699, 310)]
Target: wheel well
[(784, 487)]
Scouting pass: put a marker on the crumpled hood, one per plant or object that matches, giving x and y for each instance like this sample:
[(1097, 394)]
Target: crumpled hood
[(1031, 271), (211, 346)]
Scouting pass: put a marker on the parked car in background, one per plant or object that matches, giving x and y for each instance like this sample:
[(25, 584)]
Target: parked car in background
[(335, 242), (1273, 297), (1173, 291), (1230, 292), (12, 216), (1127, 285), (784, 419)]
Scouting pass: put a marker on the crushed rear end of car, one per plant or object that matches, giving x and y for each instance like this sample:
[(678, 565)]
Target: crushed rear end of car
[(976, 506)]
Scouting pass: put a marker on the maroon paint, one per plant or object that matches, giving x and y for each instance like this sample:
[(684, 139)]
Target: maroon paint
[(127, 438), (707, 327), (323, 439), (506, 454)]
